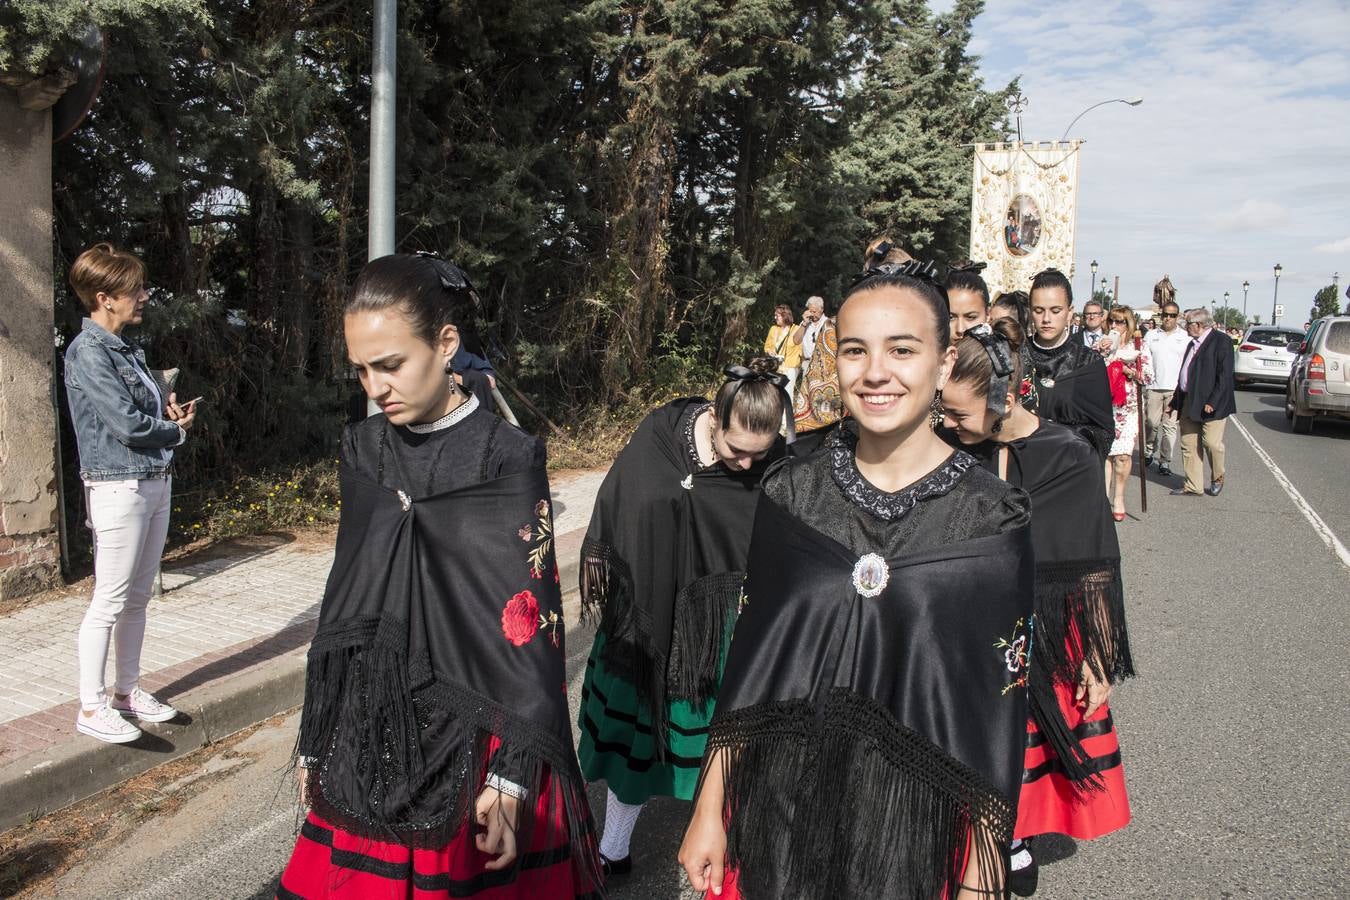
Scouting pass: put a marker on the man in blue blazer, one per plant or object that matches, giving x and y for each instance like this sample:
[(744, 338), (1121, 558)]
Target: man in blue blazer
[(1203, 402)]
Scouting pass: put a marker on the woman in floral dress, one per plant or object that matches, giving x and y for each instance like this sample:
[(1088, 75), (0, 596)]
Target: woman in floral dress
[(1128, 366)]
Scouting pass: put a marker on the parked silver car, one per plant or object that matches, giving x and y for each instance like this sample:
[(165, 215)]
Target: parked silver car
[(1319, 382), (1263, 355)]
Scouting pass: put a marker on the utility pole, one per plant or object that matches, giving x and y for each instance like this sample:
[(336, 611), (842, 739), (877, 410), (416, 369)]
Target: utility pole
[(384, 67), (383, 74)]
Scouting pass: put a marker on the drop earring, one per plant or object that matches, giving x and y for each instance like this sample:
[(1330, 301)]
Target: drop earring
[(935, 411)]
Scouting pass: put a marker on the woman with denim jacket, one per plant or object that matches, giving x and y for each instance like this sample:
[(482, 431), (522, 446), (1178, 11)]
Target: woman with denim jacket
[(126, 431)]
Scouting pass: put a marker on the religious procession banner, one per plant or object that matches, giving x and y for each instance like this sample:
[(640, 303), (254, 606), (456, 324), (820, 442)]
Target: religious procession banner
[(1023, 211)]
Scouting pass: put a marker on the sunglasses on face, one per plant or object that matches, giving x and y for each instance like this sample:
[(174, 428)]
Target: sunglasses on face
[(1170, 315), (1117, 321)]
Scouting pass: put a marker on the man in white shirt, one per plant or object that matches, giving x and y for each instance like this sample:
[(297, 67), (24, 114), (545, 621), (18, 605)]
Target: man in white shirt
[(1166, 346), (812, 321), (1092, 323)]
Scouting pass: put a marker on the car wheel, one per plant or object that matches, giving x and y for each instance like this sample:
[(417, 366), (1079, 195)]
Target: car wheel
[(1303, 424), (1288, 407)]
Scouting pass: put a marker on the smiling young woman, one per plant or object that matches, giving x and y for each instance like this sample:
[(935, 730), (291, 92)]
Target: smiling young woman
[(869, 734)]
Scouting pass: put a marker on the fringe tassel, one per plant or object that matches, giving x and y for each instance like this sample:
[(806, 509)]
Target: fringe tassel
[(1080, 617), (705, 611), (1044, 708), (629, 651), (378, 724), (852, 805)]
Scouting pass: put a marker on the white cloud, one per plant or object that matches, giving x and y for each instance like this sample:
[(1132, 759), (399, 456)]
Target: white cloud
[(1253, 214), (1341, 246), (1234, 162)]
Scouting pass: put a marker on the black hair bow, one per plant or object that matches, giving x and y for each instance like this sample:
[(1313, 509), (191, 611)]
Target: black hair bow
[(919, 270), (740, 375), (974, 268), (452, 277), (1000, 359)]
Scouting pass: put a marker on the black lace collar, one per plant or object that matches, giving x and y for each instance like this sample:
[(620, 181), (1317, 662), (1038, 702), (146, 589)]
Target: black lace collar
[(843, 445), (690, 441)]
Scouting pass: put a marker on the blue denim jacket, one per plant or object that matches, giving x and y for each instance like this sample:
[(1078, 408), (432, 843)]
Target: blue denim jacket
[(119, 427)]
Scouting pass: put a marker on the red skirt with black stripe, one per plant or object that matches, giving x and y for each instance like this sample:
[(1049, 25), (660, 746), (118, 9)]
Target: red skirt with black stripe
[(328, 862), (1050, 802)]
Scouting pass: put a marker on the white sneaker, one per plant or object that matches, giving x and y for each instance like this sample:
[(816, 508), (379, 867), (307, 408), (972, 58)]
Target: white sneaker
[(106, 725), (143, 706)]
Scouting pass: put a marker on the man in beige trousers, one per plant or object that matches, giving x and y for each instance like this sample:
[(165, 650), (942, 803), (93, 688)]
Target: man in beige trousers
[(1203, 402)]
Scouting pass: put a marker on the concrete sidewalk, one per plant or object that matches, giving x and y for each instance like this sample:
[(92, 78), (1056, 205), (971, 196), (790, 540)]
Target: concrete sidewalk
[(225, 644)]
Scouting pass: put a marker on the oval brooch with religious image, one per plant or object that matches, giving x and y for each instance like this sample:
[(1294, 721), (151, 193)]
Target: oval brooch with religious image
[(870, 575)]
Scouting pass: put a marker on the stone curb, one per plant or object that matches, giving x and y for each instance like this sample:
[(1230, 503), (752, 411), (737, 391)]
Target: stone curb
[(45, 781)]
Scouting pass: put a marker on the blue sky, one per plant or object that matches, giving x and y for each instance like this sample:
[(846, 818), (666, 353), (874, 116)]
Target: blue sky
[(1238, 158)]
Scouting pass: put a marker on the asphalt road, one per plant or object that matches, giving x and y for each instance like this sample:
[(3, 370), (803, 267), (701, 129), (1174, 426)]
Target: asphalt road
[(1233, 735)]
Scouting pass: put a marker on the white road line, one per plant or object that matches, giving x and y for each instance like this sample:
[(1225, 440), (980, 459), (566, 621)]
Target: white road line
[(175, 882), (1322, 528)]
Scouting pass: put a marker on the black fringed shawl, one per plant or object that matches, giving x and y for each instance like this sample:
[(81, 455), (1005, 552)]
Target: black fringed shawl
[(663, 562), (867, 736), (1072, 389), (441, 627), (1080, 606)]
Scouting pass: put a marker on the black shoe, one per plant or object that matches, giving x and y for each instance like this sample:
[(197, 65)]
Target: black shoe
[(1164, 471), (614, 867), (1022, 882), (1182, 492), (1148, 461), (1214, 488)]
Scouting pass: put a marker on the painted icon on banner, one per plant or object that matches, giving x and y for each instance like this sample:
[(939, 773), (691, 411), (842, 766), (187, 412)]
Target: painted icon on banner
[(1022, 231)]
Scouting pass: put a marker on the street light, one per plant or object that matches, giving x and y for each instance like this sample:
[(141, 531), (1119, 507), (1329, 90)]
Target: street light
[(1132, 101), (1245, 285), (1276, 302), (1093, 280), (1227, 309)]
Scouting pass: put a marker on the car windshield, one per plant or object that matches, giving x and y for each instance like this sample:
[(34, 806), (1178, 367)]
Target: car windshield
[(1338, 337), (1272, 338)]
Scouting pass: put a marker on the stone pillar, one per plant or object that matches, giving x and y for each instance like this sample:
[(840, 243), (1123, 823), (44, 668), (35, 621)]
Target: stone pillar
[(29, 544)]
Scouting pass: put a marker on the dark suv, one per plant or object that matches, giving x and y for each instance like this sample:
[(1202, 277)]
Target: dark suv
[(1319, 380)]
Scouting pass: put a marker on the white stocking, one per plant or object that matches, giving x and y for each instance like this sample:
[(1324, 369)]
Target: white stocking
[(620, 819)]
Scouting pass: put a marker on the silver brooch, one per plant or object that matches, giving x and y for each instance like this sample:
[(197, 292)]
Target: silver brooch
[(1047, 382), (405, 500), (687, 483), (870, 575)]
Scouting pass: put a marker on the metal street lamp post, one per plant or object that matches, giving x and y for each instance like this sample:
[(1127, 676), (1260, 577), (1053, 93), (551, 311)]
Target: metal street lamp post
[(1227, 310), (1245, 284), (1276, 302), (1132, 101), (1109, 304), (1092, 282)]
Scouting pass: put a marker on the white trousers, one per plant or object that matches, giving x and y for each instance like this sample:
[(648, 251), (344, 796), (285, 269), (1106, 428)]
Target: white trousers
[(130, 520)]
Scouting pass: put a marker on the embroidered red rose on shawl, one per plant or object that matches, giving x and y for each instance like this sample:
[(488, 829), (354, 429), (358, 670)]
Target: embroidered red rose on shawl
[(520, 618)]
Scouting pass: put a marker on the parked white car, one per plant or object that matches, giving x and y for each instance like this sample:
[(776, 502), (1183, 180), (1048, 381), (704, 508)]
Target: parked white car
[(1263, 356)]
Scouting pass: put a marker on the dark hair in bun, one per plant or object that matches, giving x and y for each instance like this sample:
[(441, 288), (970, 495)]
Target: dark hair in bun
[(973, 365), (757, 405), (965, 276), (429, 291)]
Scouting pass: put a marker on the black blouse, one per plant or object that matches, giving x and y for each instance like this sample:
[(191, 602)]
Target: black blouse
[(826, 491), (474, 447)]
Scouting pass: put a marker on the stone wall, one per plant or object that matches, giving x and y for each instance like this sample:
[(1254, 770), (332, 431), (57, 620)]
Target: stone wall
[(29, 558)]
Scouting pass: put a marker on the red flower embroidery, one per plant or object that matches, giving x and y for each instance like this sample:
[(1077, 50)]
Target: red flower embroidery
[(520, 618), (525, 534)]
